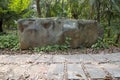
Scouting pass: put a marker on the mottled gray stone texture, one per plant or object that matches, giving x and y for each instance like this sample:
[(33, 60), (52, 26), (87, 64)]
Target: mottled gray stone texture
[(48, 31)]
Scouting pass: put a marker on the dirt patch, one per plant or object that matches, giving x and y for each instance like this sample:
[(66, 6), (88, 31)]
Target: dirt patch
[(67, 52)]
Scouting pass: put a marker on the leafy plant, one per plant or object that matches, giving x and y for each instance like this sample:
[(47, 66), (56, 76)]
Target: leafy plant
[(11, 10), (54, 47), (9, 41), (51, 48), (106, 41), (100, 44)]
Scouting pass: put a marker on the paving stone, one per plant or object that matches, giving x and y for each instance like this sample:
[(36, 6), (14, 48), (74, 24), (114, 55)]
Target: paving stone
[(75, 72), (13, 71), (86, 58), (95, 72), (116, 63), (19, 59), (113, 57), (58, 58), (99, 58), (55, 72), (44, 58), (37, 71), (59, 67), (72, 58), (3, 56), (114, 70)]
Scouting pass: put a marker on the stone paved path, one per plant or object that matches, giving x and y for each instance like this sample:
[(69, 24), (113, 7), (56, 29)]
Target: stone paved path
[(60, 67)]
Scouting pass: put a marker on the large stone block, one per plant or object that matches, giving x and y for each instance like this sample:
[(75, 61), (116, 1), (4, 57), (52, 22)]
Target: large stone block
[(48, 31), (82, 32)]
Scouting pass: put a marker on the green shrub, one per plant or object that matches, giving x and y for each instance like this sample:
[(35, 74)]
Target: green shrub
[(51, 48), (100, 44), (54, 47), (9, 41)]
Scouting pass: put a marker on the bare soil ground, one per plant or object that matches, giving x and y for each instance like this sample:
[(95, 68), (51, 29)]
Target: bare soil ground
[(112, 49)]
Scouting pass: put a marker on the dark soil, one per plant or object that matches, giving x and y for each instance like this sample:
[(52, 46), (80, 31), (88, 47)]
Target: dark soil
[(67, 52)]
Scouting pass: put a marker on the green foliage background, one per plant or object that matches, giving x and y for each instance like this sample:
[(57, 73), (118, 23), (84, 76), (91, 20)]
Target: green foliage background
[(107, 12)]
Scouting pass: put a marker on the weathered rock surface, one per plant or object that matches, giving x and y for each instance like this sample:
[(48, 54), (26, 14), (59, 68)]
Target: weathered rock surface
[(48, 31)]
